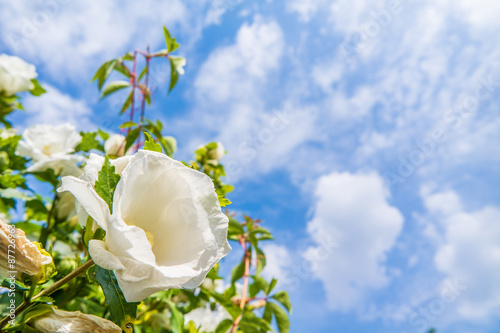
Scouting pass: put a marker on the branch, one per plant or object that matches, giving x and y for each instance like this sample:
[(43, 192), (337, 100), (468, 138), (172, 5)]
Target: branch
[(44, 234), (27, 303), (246, 276)]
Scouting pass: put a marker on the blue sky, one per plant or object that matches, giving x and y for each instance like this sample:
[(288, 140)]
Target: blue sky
[(364, 133)]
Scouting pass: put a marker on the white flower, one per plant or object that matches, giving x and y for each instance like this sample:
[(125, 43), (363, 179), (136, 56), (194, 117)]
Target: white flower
[(167, 229), (205, 319), (217, 153), (6, 133), (51, 147), (179, 63), (59, 321), (15, 75), (115, 145)]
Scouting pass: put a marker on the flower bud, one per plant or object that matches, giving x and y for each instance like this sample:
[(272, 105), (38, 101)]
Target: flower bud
[(115, 145), (21, 256), (73, 322), (216, 153)]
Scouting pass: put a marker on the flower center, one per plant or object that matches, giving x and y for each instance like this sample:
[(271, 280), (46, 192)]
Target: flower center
[(47, 150)]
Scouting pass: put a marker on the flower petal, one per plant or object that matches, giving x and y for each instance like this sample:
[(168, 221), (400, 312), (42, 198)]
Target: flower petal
[(128, 241), (102, 256), (85, 194)]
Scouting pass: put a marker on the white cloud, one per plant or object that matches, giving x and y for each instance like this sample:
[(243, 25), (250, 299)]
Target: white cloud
[(237, 71), (469, 252), (304, 8), (56, 107), (353, 209), (236, 84), (278, 262), (70, 38)]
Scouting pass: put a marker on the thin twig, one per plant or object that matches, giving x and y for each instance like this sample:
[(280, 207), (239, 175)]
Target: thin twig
[(246, 276), (27, 303), (44, 234)]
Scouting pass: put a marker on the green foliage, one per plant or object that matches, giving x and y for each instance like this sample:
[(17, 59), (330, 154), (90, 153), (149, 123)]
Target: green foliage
[(122, 312), (106, 183), (89, 142), (114, 86), (150, 144), (38, 90)]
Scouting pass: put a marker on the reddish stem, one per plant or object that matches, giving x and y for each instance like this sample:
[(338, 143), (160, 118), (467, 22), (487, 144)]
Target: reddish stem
[(246, 275), (145, 90), (134, 84)]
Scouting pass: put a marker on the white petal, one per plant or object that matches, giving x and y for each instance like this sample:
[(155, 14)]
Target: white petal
[(128, 241), (88, 198), (102, 256)]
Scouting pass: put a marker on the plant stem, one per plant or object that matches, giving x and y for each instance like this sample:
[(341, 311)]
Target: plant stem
[(134, 85), (246, 276), (27, 303), (44, 234), (146, 80)]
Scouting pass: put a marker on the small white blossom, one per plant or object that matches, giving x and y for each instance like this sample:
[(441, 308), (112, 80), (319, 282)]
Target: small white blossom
[(115, 146), (15, 75), (51, 147), (205, 319), (217, 153)]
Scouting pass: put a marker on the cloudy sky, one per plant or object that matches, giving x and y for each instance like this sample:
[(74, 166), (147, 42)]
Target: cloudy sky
[(364, 133)]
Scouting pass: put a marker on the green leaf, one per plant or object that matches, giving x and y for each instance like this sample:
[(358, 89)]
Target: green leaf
[(261, 260), (272, 284), (128, 56), (177, 319), (281, 317), (114, 86), (88, 142), (174, 76), (225, 301), (171, 43), (127, 103), (104, 72), (238, 272), (128, 124), (283, 298), (122, 312), (44, 299), (268, 313), (224, 326), (122, 69), (106, 183), (235, 227), (38, 90), (251, 323), (259, 283), (36, 210), (131, 137), (103, 134), (223, 202), (150, 144)]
